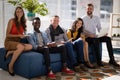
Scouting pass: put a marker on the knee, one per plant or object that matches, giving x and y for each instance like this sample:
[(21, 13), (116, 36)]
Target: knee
[(81, 42), (63, 47), (30, 46), (20, 47), (68, 44), (108, 39), (96, 41)]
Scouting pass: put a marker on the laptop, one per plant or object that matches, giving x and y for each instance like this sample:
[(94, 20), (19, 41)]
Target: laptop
[(103, 32)]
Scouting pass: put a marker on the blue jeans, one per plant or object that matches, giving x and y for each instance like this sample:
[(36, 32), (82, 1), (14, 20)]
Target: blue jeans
[(78, 48), (75, 51), (70, 53)]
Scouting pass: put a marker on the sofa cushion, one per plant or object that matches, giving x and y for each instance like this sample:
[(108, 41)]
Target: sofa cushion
[(31, 64)]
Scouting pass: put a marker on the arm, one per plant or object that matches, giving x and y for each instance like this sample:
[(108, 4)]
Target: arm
[(69, 34), (31, 40), (89, 34), (70, 38), (64, 35), (98, 24), (47, 42), (47, 31), (45, 38)]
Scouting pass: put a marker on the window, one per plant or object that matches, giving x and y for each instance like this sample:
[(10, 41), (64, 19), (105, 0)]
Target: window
[(73, 2)]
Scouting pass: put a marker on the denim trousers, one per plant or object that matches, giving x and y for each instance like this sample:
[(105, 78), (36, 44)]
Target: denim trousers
[(75, 52), (79, 49)]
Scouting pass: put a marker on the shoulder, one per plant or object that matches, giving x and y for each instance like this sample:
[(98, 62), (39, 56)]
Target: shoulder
[(69, 30), (64, 29), (31, 34), (43, 33), (47, 29), (11, 20), (96, 17), (10, 23), (85, 16)]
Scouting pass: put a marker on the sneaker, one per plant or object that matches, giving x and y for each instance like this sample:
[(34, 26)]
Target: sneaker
[(67, 71), (114, 63), (51, 75)]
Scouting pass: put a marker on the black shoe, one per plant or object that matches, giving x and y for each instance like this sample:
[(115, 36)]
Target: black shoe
[(76, 68), (5, 55), (114, 63), (89, 66), (12, 74), (100, 64), (82, 67)]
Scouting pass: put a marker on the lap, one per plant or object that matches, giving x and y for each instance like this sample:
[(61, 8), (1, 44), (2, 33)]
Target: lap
[(11, 45)]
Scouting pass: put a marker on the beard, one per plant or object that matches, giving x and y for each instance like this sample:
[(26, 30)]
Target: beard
[(89, 12)]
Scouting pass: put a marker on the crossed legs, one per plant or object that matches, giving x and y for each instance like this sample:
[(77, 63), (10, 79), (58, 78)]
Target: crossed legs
[(16, 53)]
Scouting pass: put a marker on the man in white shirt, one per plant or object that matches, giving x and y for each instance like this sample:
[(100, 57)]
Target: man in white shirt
[(91, 23)]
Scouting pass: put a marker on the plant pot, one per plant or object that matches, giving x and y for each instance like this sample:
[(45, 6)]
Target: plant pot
[(30, 16)]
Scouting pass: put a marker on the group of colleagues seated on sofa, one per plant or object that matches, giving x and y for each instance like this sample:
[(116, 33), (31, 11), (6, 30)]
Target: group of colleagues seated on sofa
[(55, 39)]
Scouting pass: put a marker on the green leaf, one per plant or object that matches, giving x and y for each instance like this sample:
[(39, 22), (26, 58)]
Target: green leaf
[(32, 6)]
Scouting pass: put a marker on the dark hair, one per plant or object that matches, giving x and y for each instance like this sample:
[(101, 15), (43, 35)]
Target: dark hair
[(56, 16), (73, 28), (36, 18), (22, 21), (90, 4)]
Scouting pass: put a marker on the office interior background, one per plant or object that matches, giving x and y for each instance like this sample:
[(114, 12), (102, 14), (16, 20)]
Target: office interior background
[(68, 10)]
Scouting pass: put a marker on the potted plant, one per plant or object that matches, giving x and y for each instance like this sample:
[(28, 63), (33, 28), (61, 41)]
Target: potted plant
[(32, 6)]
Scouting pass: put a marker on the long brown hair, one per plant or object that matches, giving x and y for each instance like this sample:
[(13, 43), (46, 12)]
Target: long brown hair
[(22, 21), (73, 27)]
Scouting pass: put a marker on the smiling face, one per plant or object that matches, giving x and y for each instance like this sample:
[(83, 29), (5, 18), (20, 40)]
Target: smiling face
[(55, 21), (79, 24), (19, 12), (36, 24), (90, 9)]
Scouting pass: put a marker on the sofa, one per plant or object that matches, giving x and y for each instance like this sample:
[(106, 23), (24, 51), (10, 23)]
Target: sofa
[(31, 64)]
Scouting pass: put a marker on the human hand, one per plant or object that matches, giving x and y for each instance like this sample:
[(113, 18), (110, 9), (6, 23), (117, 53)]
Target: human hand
[(39, 47), (70, 40), (83, 37), (92, 35), (52, 44), (106, 34), (22, 36), (26, 35), (62, 42)]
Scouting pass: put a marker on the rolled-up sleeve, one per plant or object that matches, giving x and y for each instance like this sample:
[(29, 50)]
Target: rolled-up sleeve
[(32, 42), (45, 38)]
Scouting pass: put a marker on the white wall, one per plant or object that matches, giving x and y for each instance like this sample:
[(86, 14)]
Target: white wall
[(1, 24), (81, 7)]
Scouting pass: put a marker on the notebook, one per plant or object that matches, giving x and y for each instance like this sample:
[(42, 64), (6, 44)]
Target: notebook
[(103, 32)]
